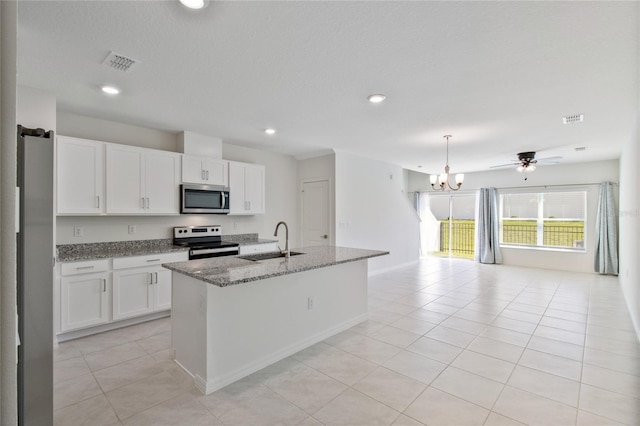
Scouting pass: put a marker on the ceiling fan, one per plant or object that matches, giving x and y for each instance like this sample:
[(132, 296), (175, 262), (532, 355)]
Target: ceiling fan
[(527, 162)]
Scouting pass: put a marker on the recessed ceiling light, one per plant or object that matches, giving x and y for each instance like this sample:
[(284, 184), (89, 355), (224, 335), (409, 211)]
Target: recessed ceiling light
[(270, 131), (110, 90), (194, 4), (376, 99)]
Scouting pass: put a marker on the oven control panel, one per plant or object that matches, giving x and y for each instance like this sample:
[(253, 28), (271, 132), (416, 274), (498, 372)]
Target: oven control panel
[(197, 231)]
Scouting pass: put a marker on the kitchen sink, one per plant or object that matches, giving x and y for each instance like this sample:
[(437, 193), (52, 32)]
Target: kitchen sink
[(266, 256)]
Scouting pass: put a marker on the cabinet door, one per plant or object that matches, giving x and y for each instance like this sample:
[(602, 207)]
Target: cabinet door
[(161, 182), (217, 172), (125, 169), (192, 169), (236, 188), (162, 289), (132, 293), (79, 176), (254, 189), (84, 301)]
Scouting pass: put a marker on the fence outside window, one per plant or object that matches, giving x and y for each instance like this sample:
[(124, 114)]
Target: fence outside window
[(515, 232)]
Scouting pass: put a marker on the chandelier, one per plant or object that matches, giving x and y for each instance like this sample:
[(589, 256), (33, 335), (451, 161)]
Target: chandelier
[(442, 181)]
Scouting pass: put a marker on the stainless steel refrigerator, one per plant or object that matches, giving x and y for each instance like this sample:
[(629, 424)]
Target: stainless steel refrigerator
[(35, 262)]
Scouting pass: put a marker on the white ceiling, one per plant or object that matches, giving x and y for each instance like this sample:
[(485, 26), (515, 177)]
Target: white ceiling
[(498, 76)]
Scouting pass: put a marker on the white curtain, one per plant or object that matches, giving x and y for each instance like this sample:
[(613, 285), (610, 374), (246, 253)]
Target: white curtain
[(487, 227), (429, 226), (606, 261)]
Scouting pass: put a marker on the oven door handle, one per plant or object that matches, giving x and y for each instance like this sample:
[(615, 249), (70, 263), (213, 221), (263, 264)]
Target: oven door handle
[(213, 250)]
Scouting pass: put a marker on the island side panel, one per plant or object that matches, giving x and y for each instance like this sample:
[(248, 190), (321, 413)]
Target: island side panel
[(188, 325), (252, 325)]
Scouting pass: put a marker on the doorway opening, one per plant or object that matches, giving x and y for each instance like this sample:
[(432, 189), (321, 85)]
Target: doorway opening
[(449, 224)]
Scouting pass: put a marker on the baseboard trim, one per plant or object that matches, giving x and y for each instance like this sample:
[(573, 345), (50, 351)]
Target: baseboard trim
[(83, 332)]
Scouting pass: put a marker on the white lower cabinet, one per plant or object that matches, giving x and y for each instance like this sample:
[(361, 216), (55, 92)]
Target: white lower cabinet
[(132, 293), (98, 292), (85, 293), (141, 286)]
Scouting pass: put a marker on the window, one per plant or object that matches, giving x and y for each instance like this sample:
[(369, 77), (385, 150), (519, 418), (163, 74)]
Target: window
[(544, 219)]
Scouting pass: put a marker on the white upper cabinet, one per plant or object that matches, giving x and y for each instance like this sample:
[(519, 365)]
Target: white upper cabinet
[(246, 188), (209, 171), (141, 181), (162, 182), (79, 176)]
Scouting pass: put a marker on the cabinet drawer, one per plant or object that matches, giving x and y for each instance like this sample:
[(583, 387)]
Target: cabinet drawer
[(258, 248), (149, 260), (84, 267)]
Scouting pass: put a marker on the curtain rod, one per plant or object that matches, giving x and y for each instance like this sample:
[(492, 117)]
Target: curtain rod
[(555, 186), (515, 187)]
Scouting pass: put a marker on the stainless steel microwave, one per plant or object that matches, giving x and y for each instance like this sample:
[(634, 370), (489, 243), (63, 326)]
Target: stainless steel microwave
[(204, 199)]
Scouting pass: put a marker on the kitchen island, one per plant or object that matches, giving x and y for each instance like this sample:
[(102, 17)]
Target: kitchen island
[(232, 316)]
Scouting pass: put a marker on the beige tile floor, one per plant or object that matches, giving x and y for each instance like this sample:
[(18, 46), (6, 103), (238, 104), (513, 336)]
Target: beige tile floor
[(448, 342)]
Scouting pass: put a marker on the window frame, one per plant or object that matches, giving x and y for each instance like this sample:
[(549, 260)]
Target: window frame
[(540, 219)]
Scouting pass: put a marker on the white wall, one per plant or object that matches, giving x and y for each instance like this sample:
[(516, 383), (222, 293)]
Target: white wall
[(372, 211), (629, 244), (36, 108), (280, 178), (567, 174), (318, 168), (81, 126)]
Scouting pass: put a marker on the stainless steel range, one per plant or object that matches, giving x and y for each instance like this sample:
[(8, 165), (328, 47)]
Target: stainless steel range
[(203, 241)]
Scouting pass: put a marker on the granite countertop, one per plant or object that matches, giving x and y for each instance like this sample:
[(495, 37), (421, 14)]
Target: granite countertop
[(74, 252), (231, 270), (105, 250)]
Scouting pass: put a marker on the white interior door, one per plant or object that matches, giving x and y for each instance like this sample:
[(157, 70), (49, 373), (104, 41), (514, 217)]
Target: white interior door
[(315, 213)]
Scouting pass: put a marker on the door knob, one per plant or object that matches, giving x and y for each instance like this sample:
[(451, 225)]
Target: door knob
[(325, 236)]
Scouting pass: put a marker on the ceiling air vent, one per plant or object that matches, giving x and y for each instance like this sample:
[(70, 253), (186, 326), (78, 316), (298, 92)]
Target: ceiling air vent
[(570, 119), (120, 62)]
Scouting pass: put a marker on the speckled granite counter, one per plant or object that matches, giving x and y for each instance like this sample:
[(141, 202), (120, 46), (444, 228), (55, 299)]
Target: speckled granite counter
[(88, 251), (246, 239), (231, 270), (74, 252)]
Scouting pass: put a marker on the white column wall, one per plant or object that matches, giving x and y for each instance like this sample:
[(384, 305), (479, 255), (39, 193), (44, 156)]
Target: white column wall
[(8, 353), (629, 244), (373, 211)]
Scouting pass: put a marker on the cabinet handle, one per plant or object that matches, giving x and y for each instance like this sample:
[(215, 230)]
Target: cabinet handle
[(207, 174), (156, 277), (98, 201), (150, 278), (153, 260), (85, 267), (142, 202), (104, 285), (148, 203)]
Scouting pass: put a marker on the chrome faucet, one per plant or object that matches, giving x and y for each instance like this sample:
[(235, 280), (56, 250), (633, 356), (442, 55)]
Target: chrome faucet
[(286, 236)]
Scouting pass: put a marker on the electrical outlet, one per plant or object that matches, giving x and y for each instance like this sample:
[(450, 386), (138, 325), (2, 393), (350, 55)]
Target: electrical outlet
[(78, 231), (310, 302), (132, 229)]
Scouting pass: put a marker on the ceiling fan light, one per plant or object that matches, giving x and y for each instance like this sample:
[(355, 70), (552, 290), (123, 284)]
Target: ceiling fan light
[(531, 168), (521, 168)]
